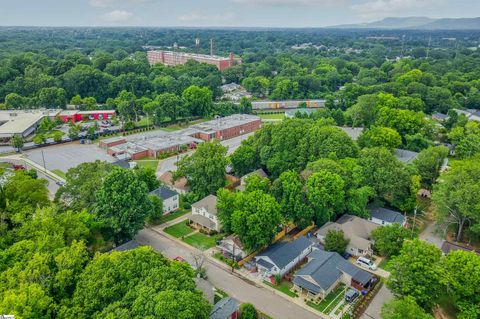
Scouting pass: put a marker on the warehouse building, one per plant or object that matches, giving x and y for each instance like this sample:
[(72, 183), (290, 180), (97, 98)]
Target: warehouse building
[(227, 127), (161, 143), (172, 58), (22, 122)]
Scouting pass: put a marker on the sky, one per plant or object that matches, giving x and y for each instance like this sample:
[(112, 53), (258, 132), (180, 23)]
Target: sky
[(227, 13)]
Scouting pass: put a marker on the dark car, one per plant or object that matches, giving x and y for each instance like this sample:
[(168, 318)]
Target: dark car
[(351, 295)]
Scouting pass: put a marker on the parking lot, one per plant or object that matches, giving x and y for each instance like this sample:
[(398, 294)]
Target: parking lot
[(65, 156)]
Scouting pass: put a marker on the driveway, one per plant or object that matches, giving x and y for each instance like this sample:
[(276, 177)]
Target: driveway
[(373, 311), (239, 288), (430, 235)]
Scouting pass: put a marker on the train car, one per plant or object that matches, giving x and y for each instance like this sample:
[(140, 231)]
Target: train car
[(293, 104)]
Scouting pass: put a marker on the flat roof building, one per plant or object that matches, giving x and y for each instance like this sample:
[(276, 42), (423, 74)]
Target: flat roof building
[(173, 58), (22, 122)]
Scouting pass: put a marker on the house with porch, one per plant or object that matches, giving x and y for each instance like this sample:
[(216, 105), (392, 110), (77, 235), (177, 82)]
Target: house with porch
[(204, 215), (231, 246), (354, 228), (281, 257), (325, 271)]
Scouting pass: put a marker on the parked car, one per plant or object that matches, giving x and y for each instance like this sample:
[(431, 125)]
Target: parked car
[(179, 258), (351, 295), (60, 183), (365, 262)]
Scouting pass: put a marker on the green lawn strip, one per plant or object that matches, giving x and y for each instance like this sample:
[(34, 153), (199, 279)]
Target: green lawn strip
[(148, 162), (59, 173), (169, 217), (202, 241), (274, 116), (327, 303), (383, 263), (179, 230), (283, 287)]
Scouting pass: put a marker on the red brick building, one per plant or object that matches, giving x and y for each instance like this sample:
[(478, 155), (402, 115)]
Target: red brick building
[(173, 58), (76, 116), (227, 127)]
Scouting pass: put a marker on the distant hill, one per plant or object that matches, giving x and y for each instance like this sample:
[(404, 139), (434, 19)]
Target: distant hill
[(418, 23)]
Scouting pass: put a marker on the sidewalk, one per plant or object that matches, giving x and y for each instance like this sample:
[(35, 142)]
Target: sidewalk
[(240, 273)]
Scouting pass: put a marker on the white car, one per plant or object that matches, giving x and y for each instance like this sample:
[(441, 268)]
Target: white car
[(365, 262)]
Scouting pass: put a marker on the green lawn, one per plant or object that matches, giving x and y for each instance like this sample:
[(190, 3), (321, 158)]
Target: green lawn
[(59, 173), (330, 301), (179, 230), (274, 116), (283, 287), (148, 163), (144, 121), (383, 263), (171, 216), (202, 241)]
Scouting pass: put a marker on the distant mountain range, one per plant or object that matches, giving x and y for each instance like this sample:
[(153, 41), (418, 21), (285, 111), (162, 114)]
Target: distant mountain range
[(417, 23)]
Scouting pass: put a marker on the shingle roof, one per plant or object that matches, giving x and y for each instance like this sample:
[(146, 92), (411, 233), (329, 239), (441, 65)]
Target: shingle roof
[(387, 215), (202, 220), (164, 193), (324, 269), (282, 253), (356, 229), (209, 203), (224, 308), (405, 156)]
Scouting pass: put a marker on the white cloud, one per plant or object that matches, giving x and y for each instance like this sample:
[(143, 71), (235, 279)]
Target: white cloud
[(288, 3), (383, 8), (210, 19), (110, 3), (117, 16)]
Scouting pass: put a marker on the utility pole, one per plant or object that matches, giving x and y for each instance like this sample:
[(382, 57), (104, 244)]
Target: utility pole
[(414, 219), (233, 256), (43, 159)]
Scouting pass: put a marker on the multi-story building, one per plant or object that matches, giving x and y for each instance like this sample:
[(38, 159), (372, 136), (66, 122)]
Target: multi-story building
[(75, 116), (172, 58)]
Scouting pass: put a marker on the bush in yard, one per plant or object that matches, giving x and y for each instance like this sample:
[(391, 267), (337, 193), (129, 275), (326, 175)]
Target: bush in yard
[(278, 279), (248, 311), (336, 241)]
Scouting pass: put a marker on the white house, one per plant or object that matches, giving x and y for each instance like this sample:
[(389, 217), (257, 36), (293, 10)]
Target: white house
[(383, 216), (281, 257), (204, 214), (169, 198), (231, 246)]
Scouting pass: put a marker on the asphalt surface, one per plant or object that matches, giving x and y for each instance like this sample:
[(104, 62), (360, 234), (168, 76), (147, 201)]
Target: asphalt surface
[(373, 310), (66, 156), (264, 300)]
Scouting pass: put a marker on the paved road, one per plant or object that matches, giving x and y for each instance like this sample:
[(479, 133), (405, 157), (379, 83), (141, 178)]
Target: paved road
[(430, 235), (51, 183), (265, 300), (373, 311), (169, 164)]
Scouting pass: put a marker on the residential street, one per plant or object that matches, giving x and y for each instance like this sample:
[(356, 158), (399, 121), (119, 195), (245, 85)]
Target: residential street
[(383, 296), (429, 234), (265, 300)]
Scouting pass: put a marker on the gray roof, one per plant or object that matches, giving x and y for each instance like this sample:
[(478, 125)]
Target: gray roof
[(265, 264), (387, 215), (202, 220), (164, 193), (283, 252), (224, 308), (405, 156), (324, 269), (209, 203)]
